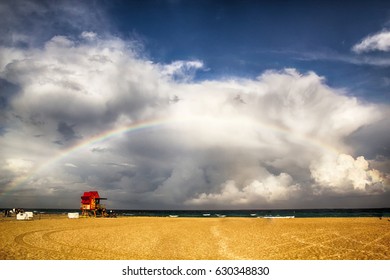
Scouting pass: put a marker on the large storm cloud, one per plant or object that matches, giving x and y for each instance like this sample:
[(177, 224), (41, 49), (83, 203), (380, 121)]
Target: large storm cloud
[(279, 139)]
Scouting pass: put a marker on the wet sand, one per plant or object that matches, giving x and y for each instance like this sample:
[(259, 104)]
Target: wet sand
[(59, 238)]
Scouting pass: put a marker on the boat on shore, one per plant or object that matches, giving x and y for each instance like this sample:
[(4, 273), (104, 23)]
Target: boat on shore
[(220, 216)]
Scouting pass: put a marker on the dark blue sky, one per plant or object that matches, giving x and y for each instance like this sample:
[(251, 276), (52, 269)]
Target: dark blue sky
[(232, 38), (244, 38)]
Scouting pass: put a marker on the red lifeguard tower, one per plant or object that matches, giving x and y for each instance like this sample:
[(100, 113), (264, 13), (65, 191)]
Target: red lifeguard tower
[(90, 204)]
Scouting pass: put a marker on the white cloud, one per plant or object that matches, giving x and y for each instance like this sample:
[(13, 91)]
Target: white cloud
[(68, 164), (182, 70), (344, 173), (19, 165), (236, 142), (264, 190), (88, 35), (376, 42)]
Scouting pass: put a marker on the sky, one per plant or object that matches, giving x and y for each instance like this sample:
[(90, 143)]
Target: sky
[(195, 104)]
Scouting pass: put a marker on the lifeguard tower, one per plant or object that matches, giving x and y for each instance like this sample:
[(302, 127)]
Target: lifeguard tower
[(91, 206)]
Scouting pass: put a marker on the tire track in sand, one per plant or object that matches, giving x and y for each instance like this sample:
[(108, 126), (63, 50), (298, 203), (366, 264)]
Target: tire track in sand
[(45, 243), (314, 242), (20, 240), (223, 247), (52, 248)]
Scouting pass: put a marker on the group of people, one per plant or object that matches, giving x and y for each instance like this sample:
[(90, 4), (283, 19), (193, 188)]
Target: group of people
[(10, 212)]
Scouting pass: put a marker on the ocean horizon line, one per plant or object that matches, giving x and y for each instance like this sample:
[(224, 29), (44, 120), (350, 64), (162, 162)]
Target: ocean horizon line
[(254, 213)]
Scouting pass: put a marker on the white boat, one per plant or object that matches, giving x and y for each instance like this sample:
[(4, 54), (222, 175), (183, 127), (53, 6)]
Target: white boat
[(206, 215), (173, 216)]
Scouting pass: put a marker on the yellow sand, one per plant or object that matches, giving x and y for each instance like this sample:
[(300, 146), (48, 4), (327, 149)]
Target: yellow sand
[(58, 237)]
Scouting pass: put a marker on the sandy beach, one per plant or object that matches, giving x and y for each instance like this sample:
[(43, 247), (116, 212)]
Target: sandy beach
[(59, 238)]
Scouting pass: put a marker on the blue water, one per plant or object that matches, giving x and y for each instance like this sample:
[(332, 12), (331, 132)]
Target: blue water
[(301, 213)]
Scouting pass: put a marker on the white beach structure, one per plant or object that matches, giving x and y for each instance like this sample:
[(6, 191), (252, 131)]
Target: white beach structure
[(24, 216), (73, 215)]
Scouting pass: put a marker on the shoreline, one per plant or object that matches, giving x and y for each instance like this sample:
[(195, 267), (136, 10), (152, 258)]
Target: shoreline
[(55, 237), (64, 216), (321, 212)]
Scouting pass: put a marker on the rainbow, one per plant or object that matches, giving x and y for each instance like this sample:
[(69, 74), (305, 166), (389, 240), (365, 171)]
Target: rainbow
[(96, 139), (150, 124)]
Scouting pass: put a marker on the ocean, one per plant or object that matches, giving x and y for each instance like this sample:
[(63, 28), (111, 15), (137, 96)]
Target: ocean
[(297, 213)]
